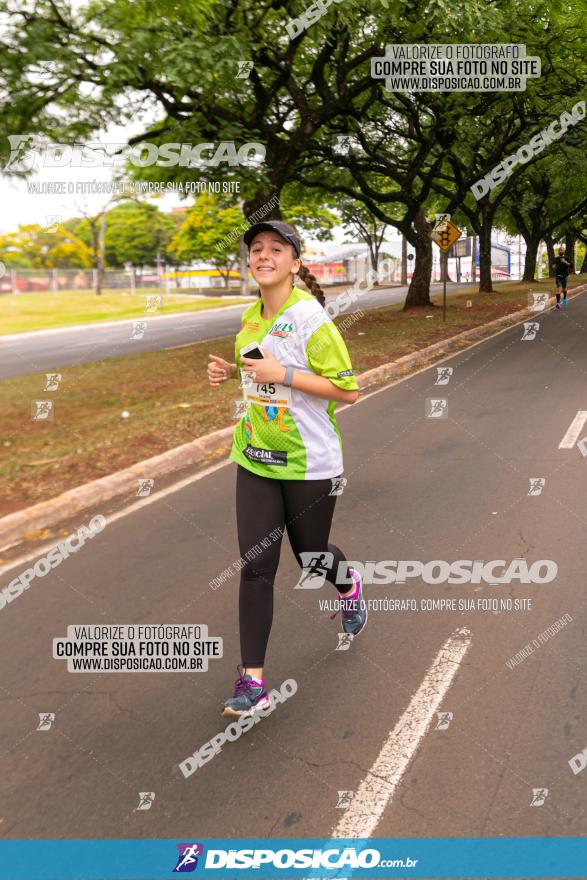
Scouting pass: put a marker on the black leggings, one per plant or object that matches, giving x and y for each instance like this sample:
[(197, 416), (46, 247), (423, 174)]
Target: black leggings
[(263, 507)]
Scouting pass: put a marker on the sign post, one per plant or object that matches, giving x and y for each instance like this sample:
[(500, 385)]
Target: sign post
[(444, 234)]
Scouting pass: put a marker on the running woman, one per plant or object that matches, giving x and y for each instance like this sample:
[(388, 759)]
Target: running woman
[(562, 266), (287, 446)]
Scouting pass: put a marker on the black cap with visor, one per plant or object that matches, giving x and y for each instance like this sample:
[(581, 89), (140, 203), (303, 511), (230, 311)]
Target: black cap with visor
[(283, 229)]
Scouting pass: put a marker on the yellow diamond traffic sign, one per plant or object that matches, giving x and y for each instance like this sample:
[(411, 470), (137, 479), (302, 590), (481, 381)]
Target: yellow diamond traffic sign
[(445, 234)]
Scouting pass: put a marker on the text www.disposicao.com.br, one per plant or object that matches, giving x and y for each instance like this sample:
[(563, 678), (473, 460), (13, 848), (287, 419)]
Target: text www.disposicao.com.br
[(105, 664)]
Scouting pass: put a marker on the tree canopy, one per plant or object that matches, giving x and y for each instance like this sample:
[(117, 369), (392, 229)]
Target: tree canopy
[(70, 71)]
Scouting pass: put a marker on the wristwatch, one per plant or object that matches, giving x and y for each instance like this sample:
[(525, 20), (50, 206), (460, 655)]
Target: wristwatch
[(288, 376)]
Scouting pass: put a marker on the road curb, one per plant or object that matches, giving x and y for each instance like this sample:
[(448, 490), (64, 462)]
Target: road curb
[(47, 514), (203, 450), (387, 371)]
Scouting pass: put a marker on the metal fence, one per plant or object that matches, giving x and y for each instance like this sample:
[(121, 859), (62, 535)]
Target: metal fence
[(347, 272), (173, 281), (56, 280)]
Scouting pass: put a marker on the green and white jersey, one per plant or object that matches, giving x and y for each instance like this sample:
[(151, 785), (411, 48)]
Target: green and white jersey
[(288, 434)]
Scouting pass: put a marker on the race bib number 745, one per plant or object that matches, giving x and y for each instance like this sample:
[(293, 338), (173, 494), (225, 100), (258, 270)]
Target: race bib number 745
[(268, 394)]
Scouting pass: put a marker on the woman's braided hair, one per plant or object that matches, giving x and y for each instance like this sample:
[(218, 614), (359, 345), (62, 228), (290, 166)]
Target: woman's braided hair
[(312, 284)]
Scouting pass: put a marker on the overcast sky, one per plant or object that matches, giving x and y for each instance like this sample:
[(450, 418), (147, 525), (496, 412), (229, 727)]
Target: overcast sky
[(20, 206)]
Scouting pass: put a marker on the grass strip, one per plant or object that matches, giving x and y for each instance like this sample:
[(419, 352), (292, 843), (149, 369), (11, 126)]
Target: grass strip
[(169, 401)]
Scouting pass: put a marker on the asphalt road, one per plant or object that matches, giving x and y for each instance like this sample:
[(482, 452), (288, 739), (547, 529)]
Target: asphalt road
[(362, 720), (21, 354)]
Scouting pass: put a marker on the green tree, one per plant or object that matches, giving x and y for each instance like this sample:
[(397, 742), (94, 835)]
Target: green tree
[(210, 232), (114, 59), (540, 204), (500, 124), (357, 219), (32, 246), (313, 213), (135, 232)]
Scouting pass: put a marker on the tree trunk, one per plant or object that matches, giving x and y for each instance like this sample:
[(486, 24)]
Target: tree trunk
[(419, 289), (244, 269), (374, 253), (570, 239), (101, 252), (404, 266), (532, 245), (473, 257), (549, 242), (485, 284), (260, 202), (96, 249)]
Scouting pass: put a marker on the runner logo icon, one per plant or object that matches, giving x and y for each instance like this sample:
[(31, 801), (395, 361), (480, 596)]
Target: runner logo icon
[(187, 860), (437, 408), (338, 484), (444, 374), (146, 799), (536, 485), (344, 799), (315, 567), (444, 719), (46, 720), (539, 795), (344, 641), (531, 328)]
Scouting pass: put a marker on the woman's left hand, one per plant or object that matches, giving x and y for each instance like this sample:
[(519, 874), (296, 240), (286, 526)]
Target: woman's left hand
[(267, 369)]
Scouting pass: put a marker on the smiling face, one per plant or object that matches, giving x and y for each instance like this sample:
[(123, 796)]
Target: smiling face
[(272, 259)]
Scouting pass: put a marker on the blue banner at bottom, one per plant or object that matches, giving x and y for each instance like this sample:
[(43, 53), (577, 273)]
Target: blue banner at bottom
[(523, 857)]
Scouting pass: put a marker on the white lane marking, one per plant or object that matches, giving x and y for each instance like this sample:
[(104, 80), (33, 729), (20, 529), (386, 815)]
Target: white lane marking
[(377, 789), (82, 518), (575, 429)]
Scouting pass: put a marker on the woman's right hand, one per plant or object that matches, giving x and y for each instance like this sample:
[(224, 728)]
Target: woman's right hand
[(219, 370)]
